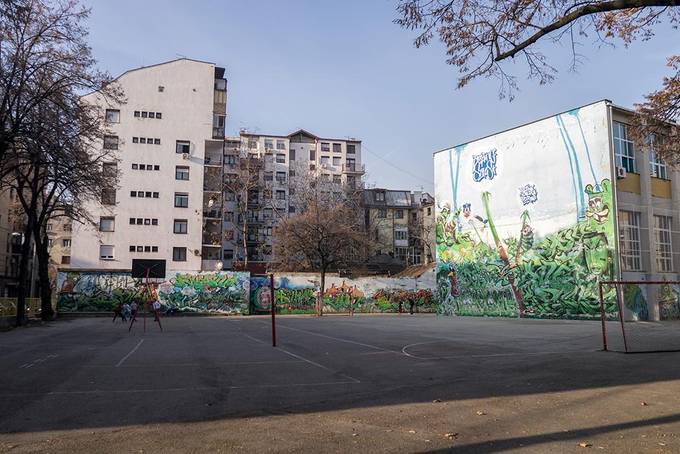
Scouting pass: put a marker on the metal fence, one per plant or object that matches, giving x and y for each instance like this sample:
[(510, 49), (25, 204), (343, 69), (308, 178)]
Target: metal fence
[(8, 307)]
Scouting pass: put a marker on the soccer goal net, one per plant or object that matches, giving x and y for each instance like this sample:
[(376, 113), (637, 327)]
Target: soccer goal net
[(647, 316)]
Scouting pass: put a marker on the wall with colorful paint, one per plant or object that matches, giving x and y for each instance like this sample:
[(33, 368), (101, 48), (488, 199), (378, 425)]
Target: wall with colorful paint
[(525, 219), (297, 293), (222, 292)]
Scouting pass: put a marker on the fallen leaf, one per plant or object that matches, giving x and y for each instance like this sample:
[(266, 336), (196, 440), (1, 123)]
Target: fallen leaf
[(643, 403), (585, 445), (480, 413), (436, 401), (411, 431), (451, 435)]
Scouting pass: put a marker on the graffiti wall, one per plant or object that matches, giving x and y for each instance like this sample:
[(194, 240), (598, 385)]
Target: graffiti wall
[(525, 221), (219, 292), (296, 293)]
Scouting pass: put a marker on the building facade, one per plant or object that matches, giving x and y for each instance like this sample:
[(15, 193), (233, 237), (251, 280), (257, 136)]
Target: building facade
[(401, 224), (271, 166), (530, 219), (168, 138)]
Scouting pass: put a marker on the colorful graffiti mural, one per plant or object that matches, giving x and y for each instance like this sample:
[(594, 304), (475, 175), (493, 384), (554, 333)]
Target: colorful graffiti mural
[(223, 292), (518, 248)]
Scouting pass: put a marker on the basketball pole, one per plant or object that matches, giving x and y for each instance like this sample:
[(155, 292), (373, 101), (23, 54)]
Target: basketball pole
[(273, 308)]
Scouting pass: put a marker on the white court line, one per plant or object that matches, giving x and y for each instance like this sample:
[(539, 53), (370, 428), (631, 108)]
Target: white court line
[(483, 355), (217, 363), (354, 380), (198, 388), (122, 360), (375, 347)]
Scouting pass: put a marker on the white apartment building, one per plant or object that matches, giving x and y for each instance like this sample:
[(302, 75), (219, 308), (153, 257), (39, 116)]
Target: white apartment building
[(169, 137), (282, 159)]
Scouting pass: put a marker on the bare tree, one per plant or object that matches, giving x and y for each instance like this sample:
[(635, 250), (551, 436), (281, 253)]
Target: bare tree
[(481, 35), (327, 234), (46, 132), (242, 178)]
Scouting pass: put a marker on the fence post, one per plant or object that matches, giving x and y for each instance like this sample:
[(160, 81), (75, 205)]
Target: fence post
[(273, 306), (602, 317)]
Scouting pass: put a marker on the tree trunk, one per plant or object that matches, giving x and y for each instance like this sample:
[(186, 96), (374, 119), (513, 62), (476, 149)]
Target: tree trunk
[(46, 310), (23, 274), (322, 289)]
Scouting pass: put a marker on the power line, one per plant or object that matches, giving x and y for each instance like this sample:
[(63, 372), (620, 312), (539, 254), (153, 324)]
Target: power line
[(363, 147)]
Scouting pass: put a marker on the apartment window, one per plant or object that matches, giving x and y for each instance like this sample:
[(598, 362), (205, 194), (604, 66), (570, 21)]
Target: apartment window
[(325, 146), (624, 149), (107, 224), (147, 248), (399, 214), (66, 242), (112, 115), (135, 140), (145, 114), (252, 144), (161, 89), (337, 179), (269, 176), (106, 252), (281, 158), (149, 140), (154, 248), (429, 211), (280, 145), (182, 173), (280, 195), (312, 155), (158, 116), (152, 114), (268, 144), (180, 226), (147, 221), (312, 167), (110, 142), (147, 194), (657, 166), (140, 221), (336, 161), (267, 213), (629, 227), (664, 246), (181, 200), (291, 209), (67, 227), (229, 216), (325, 159), (281, 177), (182, 146), (401, 235), (137, 113), (135, 166), (156, 141), (154, 221), (65, 259), (230, 159), (382, 213), (379, 196), (351, 148), (291, 172), (142, 140), (401, 253), (228, 254), (179, 254), (132, 221), (140, 248)]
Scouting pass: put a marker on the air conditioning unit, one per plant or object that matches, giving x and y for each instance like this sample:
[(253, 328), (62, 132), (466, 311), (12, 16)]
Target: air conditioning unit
[(621, 172), (185, 155)]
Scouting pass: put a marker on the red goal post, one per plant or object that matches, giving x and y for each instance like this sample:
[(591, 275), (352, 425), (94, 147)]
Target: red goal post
[(647, 315)]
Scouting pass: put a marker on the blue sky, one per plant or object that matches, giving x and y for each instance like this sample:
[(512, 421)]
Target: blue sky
[(343, 69)]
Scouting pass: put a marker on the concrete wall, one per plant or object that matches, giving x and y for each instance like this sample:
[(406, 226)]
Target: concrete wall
[(525, 222)]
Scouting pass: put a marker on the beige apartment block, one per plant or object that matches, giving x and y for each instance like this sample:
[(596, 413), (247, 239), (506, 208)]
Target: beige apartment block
[(168, 137)]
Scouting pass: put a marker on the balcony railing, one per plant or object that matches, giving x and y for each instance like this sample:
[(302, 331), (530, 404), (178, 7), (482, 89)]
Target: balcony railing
[(212, 161), (353, 168)]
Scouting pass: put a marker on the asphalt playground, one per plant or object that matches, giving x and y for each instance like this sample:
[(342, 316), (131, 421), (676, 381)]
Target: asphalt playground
[(368, 383)]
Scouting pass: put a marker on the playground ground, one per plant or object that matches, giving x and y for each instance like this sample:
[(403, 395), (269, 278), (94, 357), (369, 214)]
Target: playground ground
[(373, 383)]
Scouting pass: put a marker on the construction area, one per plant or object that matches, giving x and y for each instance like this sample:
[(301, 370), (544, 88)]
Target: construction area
[(374, 383)]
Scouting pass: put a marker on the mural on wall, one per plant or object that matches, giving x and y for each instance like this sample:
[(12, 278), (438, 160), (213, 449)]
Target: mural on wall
[(297, 294), (524, 220), (223, 292)]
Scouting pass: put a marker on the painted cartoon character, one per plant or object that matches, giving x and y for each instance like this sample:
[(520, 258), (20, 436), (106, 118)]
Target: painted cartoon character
[(467, 210), (598, 206)]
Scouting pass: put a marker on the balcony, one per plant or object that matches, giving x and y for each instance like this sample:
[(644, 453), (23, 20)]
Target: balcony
[(212, 214), (215, 160), (218, 133), (353, 168), (212, 239)]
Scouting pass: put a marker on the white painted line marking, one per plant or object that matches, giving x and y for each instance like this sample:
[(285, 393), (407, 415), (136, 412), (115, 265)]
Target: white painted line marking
[(122, 360), (375, 347), (198, 388), (354, 380), (483, 355), (217, 363)]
